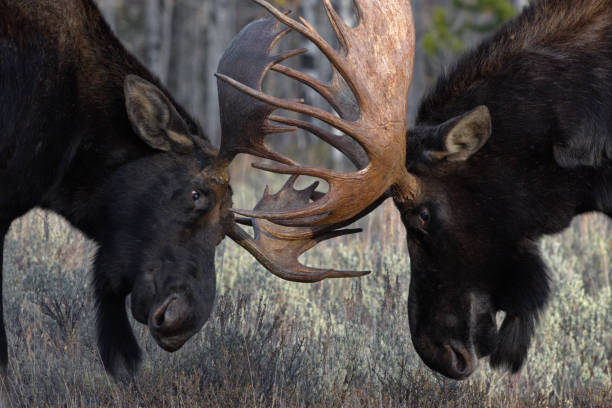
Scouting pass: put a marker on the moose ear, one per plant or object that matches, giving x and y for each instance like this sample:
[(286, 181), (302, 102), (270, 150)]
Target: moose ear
[(154, 118), (464, 135)]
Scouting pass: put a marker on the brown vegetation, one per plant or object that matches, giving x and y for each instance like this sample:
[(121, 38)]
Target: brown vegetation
[(272, 343)]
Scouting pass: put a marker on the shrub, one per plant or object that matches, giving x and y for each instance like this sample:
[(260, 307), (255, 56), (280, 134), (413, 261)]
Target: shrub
[(340, 343)]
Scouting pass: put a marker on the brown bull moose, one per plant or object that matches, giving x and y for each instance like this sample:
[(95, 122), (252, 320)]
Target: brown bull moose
[(510, 145), (87, 132)]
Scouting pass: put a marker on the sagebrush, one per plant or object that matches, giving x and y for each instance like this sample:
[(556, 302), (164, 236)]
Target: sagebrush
[(341, 343)]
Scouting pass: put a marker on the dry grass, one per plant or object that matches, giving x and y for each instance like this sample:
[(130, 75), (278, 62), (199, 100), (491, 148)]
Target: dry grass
[(271, 343)]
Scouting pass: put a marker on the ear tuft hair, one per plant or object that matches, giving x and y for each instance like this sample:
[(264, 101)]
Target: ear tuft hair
[(154, 118), (463, 136)]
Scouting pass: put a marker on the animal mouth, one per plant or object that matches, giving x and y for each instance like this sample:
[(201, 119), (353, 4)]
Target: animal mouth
[(463, 363), (171, 343), (170, 323)]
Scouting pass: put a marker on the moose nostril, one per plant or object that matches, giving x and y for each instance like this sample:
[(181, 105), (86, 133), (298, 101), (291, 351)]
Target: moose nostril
[(462, 361), (165, 315), (158, 318), (459, 362)]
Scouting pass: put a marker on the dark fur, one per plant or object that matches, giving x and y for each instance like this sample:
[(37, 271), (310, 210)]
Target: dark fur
[(546, 78), (67, 145)]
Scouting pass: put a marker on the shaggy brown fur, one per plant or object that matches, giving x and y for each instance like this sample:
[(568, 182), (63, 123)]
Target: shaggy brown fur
[(126, 168)]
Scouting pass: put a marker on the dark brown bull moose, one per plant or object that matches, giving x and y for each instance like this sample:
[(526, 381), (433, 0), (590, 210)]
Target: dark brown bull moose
[(510, 145), (87, 132)]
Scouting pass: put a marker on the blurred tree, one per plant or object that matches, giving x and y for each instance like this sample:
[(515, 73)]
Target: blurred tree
[(189, 77), (519, 4), (109, 8), (159, 36), (221, 28), (463, 23), (181, 41), (421, 13)]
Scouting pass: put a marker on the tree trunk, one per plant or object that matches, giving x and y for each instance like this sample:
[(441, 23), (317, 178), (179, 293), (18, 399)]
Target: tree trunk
[(187, 72), (221, 29), (419, 77), (159, 36), (519, 4), (108, 8)]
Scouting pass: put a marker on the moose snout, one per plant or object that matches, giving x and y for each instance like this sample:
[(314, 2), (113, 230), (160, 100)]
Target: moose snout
[(169, 323), (167, 317), (454, 360), (460, 362)]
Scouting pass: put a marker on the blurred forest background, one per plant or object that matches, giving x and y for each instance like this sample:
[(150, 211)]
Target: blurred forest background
[(182, 41), (271, 343)]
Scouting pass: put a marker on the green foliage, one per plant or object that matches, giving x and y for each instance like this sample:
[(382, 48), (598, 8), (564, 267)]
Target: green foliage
[(449, 29), (440, 37), (292, 4)]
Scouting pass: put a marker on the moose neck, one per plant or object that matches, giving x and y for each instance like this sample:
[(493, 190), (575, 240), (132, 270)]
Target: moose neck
[(93, 138), (79, 194)]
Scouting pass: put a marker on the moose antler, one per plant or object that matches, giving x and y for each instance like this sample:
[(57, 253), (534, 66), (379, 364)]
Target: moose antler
[(245, 122), (279, 247), (369, 91)]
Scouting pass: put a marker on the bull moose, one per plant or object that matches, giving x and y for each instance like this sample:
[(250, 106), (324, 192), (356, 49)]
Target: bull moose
[(87, 131), (510, 145)]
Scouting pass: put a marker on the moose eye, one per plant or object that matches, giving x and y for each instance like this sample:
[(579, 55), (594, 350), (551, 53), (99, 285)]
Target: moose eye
[(424, 218), (418, 219), (202, 200)]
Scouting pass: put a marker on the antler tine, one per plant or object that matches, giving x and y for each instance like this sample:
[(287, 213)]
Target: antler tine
[(320, 87), (316, 113), (341, 142), (303, 28), (279, 247), (336, 93), (337, 24), (284, 266)]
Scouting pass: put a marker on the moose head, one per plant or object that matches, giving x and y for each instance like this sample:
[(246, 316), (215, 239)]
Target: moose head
[(164, 214)]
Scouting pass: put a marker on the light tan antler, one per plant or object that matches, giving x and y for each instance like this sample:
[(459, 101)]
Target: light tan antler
[(245, 123), (369, 91)]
